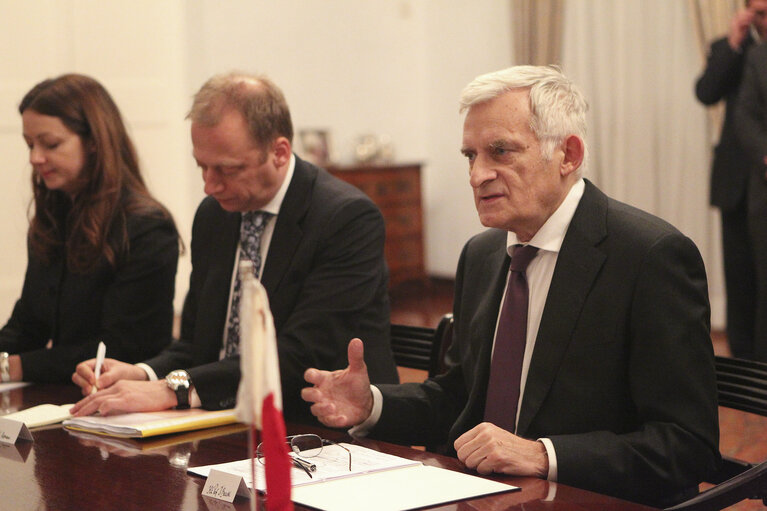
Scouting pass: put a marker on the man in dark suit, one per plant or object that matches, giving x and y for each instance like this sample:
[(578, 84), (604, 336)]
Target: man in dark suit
[(321, 243), (616, 386), (751, 122), (720, 80)]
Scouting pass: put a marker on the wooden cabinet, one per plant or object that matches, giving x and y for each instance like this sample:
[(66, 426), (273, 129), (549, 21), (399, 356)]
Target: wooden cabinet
[(396, 190)]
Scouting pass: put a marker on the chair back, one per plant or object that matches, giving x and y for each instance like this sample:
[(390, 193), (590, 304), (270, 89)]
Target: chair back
[(422, 347), (741, 385)]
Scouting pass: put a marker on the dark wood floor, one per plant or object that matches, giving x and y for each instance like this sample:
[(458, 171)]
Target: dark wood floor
[(422, 304)]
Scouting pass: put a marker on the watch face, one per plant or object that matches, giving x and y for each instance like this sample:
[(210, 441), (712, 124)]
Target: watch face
[(178, 378), (179, 382)]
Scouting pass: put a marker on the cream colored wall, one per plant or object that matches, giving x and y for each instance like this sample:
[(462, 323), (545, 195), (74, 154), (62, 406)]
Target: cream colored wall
[(136, 49), (393, 67), (380, 66)]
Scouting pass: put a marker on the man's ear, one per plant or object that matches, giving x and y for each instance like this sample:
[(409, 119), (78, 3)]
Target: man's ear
[(573, 155), (282, 150)]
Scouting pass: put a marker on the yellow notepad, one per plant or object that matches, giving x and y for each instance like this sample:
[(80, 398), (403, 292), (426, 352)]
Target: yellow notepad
[(138, 445), (142, 425)]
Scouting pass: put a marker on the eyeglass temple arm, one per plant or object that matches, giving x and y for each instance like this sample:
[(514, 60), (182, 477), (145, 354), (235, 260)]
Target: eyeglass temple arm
[(330, 442)]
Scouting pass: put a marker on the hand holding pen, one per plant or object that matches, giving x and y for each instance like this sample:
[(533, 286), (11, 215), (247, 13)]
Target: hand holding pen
[(101, 352)]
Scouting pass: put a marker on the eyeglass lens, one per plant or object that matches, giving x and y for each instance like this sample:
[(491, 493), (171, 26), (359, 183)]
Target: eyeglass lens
[(306, 445)]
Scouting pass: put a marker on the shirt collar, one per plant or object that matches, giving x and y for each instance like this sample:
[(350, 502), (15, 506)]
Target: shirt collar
[(274, 205), (552, 234)]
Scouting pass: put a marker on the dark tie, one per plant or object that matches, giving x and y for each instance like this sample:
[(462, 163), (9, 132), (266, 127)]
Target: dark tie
[(251, 229), (510, 339)]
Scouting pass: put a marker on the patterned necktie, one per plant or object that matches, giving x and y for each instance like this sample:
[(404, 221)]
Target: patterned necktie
[(251, 229), (510, 340)]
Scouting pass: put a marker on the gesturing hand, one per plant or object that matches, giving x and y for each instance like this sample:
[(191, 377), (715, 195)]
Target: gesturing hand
[(341, 398)]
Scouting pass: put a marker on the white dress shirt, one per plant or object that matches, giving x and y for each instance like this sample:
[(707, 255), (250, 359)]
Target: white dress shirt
[(548, 240), (272, 207)]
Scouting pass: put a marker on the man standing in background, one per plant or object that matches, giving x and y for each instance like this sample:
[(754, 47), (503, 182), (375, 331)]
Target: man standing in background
[(729, 175), (751, 124)]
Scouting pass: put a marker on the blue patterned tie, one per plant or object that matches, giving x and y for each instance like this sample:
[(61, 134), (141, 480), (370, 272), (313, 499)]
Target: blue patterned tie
[(251, 229)]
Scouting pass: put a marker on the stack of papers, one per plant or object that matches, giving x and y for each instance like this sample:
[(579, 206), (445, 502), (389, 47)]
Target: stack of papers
[(382, 482), (141, 425), (332, 463), (132, 446)]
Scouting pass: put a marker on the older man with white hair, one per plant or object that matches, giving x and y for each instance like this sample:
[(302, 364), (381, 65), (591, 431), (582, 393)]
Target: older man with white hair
[(581, 349)]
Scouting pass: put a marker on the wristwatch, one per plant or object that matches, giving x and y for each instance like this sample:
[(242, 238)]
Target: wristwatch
[(5, 367), (179, 382)]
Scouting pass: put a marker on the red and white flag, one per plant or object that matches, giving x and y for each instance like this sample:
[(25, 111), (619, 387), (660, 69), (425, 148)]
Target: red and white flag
[(259, 397)]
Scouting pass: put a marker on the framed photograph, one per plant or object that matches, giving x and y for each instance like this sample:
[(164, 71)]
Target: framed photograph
[(315, 146)]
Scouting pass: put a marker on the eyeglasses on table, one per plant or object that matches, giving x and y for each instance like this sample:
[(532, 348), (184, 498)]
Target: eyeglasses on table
[(304, 447)]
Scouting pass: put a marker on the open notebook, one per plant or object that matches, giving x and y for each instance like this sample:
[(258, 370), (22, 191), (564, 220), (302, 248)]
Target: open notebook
[(41, 415), (381, 481)]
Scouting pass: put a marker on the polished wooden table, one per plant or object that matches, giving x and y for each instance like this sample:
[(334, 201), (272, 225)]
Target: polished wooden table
[(62, 470)]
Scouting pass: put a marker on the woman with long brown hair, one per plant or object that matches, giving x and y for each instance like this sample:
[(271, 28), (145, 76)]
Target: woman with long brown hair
[(102, 252)]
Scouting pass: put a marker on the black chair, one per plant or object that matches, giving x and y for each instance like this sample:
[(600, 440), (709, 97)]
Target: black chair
[(741, 385), (421, 347)]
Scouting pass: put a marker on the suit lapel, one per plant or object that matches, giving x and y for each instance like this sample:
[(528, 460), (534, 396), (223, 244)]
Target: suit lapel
[(288, 232), (496, 266), (481, 329), (577, 267), (213, 297)]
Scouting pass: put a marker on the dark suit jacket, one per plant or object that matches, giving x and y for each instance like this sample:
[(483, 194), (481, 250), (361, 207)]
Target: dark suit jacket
[(721, 80), (326, 279), (751, 119), (622, 376), (129, 307)]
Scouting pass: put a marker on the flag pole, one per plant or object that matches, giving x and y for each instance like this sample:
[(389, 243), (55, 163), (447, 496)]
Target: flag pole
[(259, 397), (253, 444), (257, 381)]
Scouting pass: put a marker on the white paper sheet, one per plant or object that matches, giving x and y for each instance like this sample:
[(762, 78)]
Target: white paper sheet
[(331, 463), (396, 490), (377, 482)]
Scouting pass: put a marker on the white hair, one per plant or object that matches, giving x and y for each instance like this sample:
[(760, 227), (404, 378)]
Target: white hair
[(557, 107)]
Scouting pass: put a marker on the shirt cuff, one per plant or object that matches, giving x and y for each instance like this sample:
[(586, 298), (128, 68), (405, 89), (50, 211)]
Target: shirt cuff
[(194, 398), (362, 429), (149, 371), (552, 454)]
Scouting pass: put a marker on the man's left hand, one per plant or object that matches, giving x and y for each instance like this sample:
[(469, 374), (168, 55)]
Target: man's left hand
[(488, 448), (127, 396)]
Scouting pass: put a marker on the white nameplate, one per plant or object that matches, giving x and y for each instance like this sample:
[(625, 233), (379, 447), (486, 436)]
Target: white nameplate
[(17, 452), (224, 486), (11, 430)]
